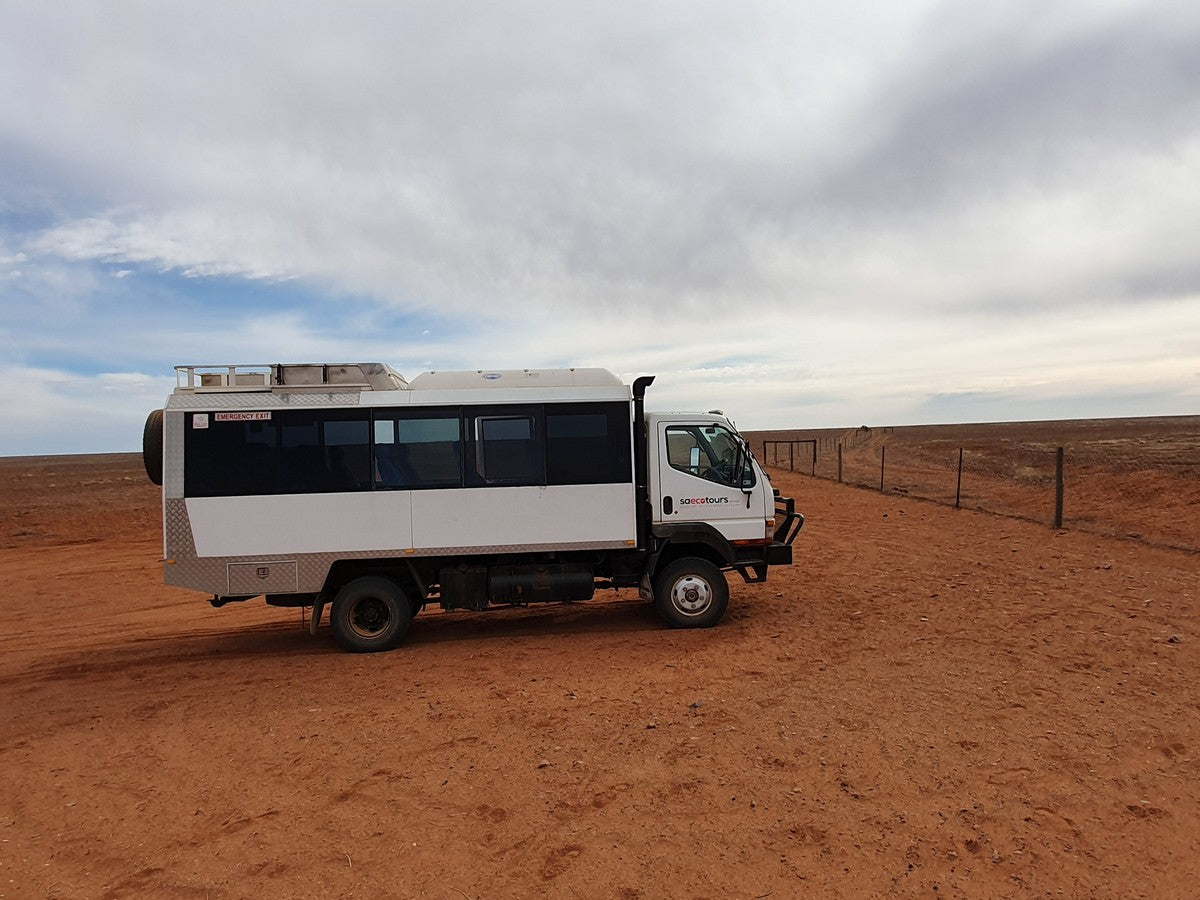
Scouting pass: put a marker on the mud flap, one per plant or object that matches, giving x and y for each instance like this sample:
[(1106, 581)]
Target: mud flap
[(317, 611), (645, 591)]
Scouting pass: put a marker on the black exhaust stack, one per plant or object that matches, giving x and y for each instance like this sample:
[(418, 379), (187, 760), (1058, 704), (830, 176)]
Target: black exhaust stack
[(640, 451)]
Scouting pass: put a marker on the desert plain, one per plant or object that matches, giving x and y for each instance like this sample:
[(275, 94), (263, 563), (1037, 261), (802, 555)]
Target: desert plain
[(930, 702)]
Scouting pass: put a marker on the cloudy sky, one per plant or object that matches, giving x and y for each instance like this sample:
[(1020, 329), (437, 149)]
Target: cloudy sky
[(808, 214)]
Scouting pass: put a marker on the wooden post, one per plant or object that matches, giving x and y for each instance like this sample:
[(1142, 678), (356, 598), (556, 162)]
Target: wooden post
[(791, 456), (882, 460), (839, 462), (814, 465), (1058, 489), (958, 489)]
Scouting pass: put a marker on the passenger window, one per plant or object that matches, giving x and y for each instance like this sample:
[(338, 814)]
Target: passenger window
[(385, 431), (345, 434), (347, 446), (423, 451), (587, 444), (290, 452), (230, 458), (507, 450), (322, 452)]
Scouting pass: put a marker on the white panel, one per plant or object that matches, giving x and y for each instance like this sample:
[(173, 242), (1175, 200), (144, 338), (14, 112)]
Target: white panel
[(300, 523), (386, 398), (507, 379), (521, 516), (494, 396)]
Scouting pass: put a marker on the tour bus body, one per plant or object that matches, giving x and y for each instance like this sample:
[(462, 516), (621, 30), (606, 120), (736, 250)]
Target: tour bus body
[(344, 484)]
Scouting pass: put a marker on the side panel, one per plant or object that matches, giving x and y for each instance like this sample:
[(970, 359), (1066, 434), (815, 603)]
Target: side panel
[(216, 541), (597, 515), (182, 566), (300, 523)]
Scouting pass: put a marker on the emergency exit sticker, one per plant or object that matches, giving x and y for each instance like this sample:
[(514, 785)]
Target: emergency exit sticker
[(242, 417), (200, 420)]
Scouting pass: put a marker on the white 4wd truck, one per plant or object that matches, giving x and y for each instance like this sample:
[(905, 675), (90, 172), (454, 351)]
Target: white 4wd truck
[(344, 485)]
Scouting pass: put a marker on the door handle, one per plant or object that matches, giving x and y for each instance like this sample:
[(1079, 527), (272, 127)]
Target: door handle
[(668, 506)]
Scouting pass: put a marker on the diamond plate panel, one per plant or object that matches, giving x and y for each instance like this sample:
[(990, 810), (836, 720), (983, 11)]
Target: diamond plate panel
[(262, 400), (173, 422)]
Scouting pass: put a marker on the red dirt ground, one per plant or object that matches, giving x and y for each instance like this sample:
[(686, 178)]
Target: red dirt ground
[(930, 702)]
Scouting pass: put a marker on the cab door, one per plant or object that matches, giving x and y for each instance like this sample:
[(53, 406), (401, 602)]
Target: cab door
[(704, 475)]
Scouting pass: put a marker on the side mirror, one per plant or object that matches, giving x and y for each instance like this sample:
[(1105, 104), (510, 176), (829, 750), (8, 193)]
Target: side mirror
[(745, 478)]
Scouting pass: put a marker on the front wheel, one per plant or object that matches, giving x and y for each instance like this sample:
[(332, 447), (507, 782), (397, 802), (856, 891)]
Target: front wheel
[(370, 614), (691, 593)]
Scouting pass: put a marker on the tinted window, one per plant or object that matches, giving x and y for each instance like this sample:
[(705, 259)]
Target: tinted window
[(506, 447), (421, 450), (316, 451), (346, 434), (293, 452), (324, 451), (565, 426), (301, 459), (226, 457), (513, 429), (588, 443)]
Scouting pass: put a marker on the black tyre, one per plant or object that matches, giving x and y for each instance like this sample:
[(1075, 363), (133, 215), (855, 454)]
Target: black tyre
[(691, 593), (152, 446), (370, 614)]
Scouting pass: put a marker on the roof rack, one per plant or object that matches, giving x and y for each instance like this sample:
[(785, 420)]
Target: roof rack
[(289, 376)]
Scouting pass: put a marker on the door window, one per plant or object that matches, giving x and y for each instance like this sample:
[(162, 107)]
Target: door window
[(711, 452)]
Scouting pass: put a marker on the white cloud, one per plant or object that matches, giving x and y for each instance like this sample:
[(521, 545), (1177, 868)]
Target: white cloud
[(823, 213), (58, 411)]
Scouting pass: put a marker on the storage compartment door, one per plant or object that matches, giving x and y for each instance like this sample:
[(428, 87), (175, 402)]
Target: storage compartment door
[(253, 578)]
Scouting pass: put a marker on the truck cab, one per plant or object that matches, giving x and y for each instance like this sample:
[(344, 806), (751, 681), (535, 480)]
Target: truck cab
[(703, 472), (712, 508)]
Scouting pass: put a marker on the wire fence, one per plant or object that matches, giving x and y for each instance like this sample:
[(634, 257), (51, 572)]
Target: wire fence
[(1142, 485)]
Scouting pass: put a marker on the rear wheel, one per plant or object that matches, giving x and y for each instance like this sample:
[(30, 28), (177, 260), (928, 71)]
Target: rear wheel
[(691, 593), (370, 614)]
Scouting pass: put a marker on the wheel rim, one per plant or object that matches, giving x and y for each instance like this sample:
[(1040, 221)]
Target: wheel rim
[(369, 617), (691, 595)]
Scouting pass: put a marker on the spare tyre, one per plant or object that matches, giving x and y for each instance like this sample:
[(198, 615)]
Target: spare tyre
[(152, 446)]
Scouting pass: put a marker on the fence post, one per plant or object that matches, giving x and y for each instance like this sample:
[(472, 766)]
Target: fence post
[(814, 465), (791, 456), (882, 460), (839, 462), (1058, 489), (958, 489)]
